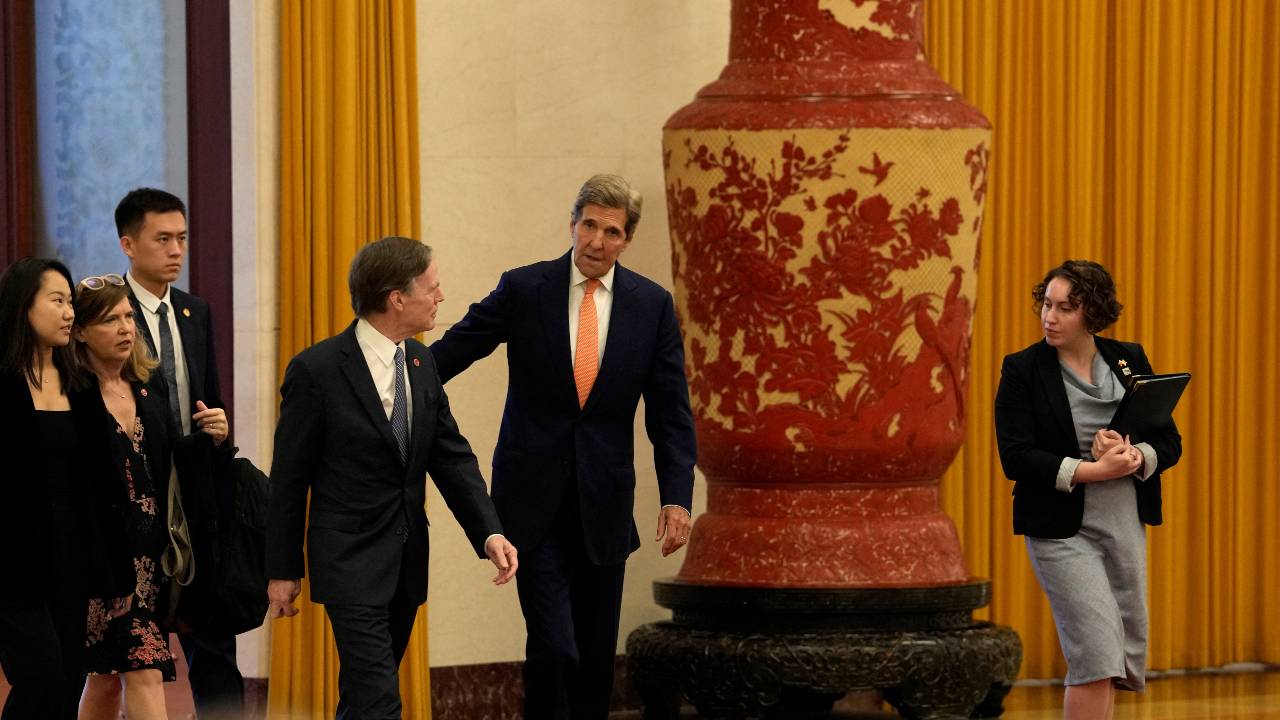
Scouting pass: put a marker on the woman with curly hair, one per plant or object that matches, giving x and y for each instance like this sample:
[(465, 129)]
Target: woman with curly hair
[(1081, 492)]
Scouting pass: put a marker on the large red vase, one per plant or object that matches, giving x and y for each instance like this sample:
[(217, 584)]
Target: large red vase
[(825, 200)]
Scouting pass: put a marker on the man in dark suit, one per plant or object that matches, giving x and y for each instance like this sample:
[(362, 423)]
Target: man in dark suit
[(586, 339), (363, 419), (178, 330)]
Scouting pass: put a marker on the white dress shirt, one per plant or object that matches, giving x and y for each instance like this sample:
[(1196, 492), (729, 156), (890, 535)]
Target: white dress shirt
[(150, 303), (380, 356), (604, 307)]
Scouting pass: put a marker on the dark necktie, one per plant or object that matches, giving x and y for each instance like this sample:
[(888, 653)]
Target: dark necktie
[(400, 409), (167, 364)]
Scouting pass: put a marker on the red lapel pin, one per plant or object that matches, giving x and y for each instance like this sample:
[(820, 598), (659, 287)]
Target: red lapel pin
[(144, 392), (417, 362)]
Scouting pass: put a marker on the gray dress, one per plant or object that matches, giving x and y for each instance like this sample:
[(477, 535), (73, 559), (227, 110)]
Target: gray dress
[(1096, 580)]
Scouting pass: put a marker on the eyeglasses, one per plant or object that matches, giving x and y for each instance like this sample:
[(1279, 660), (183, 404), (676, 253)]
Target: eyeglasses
[(97, 282)]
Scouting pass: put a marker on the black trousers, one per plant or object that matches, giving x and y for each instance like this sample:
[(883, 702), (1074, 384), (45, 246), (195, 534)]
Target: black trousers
[(371, 642), (42, 653), (571, 608), (217, 687)]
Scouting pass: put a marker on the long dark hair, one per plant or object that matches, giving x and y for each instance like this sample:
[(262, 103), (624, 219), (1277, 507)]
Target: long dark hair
[(18, 288)]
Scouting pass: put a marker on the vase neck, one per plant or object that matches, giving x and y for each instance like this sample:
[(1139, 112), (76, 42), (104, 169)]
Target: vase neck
[(799, 31)]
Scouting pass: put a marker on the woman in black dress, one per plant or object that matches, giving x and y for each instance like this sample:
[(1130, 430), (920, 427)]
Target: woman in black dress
[(61, 537), (130, 652)]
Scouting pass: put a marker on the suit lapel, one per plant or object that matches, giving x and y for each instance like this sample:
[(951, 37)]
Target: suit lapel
[(1051, 380), (419, 382), (356, 370), (554, 302), (192, 342), (1118, 360)]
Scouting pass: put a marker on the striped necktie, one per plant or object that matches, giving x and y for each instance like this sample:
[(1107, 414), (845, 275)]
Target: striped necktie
[(400, 409), (585, 360)]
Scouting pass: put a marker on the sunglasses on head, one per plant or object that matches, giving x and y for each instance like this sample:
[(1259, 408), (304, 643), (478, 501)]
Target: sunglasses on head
[(97, 282)]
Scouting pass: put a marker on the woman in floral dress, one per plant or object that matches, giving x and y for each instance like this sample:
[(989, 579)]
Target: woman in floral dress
[(130, 652)]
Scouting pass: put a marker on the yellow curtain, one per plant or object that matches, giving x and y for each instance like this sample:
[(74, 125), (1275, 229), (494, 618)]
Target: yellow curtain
[(348, 175), (1144, 134)]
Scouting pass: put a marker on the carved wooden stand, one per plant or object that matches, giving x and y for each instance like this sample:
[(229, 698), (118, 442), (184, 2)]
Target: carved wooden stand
[(739, 652)]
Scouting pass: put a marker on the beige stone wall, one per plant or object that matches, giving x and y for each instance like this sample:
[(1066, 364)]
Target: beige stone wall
[(519, 103)]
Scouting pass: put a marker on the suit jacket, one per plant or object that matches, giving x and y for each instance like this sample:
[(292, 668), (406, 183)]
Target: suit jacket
[(196, 328), (547, 445), (1035, 431), (334, 440), (27, 525)]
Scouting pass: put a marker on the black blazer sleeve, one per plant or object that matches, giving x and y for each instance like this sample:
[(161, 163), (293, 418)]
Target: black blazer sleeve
[(111, 570), (1027, 434), (299, 442), (667, 415), (212, 395), (456, 472), (476, 336)]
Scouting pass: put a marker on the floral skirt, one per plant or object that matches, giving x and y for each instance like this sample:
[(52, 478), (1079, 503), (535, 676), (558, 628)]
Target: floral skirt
[(134, 640)]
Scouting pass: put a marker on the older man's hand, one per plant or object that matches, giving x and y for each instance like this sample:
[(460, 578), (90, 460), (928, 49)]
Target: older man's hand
[(503, 556), (673, 522)]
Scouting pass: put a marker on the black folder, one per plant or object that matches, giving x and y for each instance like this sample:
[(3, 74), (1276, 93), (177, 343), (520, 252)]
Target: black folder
[(1149, 403)]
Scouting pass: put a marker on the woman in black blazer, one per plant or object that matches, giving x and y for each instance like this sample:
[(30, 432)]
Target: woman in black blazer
[(130, 417), (61, 537), (1082, 493)]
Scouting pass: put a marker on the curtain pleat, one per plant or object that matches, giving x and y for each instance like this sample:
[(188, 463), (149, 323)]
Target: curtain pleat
[(348, 175), (1144, 134)]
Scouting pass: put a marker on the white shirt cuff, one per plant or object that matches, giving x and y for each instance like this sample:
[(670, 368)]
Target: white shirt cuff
[(1149, 455), (1067, 474), (685, 509), (486, 540)]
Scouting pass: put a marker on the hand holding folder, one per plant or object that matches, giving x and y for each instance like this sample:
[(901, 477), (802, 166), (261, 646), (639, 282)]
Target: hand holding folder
[(1148, 404)]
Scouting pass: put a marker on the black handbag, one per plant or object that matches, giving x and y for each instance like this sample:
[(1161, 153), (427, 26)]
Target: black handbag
[(228, 534)]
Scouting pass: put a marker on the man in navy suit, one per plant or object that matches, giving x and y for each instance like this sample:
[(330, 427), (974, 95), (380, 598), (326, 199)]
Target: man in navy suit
[(586, 339), (178, 330), (363, 420)]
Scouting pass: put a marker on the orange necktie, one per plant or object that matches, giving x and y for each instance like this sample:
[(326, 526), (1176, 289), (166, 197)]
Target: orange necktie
[(588, 346)]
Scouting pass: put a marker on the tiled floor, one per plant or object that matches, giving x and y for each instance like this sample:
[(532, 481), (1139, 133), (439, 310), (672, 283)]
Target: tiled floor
[(1216, 696)]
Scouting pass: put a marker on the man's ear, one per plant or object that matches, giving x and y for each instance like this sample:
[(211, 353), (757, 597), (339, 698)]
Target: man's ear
[(126, 245)]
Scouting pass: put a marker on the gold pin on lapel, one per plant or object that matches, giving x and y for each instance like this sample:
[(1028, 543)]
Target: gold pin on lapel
[(144, 392), (417, 362), (186, 312), (1123, 363)]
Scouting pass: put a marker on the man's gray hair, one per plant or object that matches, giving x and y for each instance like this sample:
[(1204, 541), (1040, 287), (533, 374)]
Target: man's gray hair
[(610, 191), (391, 263)]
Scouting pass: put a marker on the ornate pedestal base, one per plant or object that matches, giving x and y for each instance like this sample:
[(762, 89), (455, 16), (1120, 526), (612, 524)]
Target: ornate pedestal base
[(776, 652)]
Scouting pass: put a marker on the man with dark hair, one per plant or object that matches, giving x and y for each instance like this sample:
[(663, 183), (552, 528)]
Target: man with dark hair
[(178, 329), (586, 339), (362, 421)]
